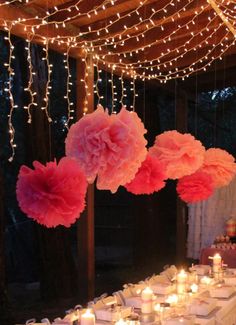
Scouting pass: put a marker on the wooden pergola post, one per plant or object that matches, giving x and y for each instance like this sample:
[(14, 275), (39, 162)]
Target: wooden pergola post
[(85, 226), (181, 209)]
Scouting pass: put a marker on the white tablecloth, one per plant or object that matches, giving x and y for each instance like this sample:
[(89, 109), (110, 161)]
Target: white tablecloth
[(224, 314)]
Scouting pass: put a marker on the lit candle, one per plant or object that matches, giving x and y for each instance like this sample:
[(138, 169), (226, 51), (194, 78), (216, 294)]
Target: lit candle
[(87, 318), (181, 282), (194, 288), (147, 302), (217, 260)]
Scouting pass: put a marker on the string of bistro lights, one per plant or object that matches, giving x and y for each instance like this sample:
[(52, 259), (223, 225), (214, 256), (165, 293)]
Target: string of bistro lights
[(159, 40)]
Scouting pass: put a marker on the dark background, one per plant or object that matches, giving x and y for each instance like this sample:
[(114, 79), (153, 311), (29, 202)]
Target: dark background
[(135, 236)]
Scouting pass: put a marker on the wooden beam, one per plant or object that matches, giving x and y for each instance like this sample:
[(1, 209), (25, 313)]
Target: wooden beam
[(85, 226)]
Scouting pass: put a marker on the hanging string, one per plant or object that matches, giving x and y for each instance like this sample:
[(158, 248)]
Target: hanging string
[(70, 110), (97, 83), (49, 66), (112, 92), (123, 89), (47, 93), (29, 89), (134, 93), (84, 80), (8, 89)]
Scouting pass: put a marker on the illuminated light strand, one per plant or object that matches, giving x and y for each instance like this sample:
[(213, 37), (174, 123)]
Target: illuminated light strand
[(134, 93), (119, 54), (8, 89), (127, 28), (28, 89), (70, 104), (32, 27), (176, 75), (222, 16), (118, 34), (200, 60), (6, 3), (85, 82), (177, 49), (123, 89), (139, 62), (227, 10), (49, 66), (137, 36), (112, 92), (44, 20), (97, 92), (142, 48), (181, 55)]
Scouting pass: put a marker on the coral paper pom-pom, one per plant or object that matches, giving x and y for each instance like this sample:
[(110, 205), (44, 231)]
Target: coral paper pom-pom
[(220, 165), (195, 187), (149, 178), (86, 141), (181, 153), (109, 147), (53, 194), (126, 150)]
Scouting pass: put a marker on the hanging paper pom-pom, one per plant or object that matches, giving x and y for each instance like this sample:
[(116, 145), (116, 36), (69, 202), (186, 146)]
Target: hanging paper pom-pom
[(53, 194), (86, 141), (181, 153), (110, 147), (125, 148), (220, 165), (195, 187), (149, 178)]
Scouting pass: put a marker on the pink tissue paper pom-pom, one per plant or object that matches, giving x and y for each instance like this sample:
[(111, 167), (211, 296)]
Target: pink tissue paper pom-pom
[(181, 153), (54, 194), (86, 142), (149, 178), (125, 150), (220, 165), (196, 187)]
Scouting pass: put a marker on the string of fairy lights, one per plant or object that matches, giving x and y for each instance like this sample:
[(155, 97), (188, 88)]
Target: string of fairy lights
[(144, 41)]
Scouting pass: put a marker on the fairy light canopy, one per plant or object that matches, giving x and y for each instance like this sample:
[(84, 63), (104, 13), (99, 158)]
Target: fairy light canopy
[(137, 39), (146, 39)]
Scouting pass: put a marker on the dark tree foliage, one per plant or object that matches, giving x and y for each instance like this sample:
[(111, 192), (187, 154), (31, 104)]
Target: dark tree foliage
[(212, 119)]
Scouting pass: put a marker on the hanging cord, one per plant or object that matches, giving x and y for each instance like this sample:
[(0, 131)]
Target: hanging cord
[(123, 95), (97, 82), (112, 92), (8, 89), (68, 90), (28, 89)]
